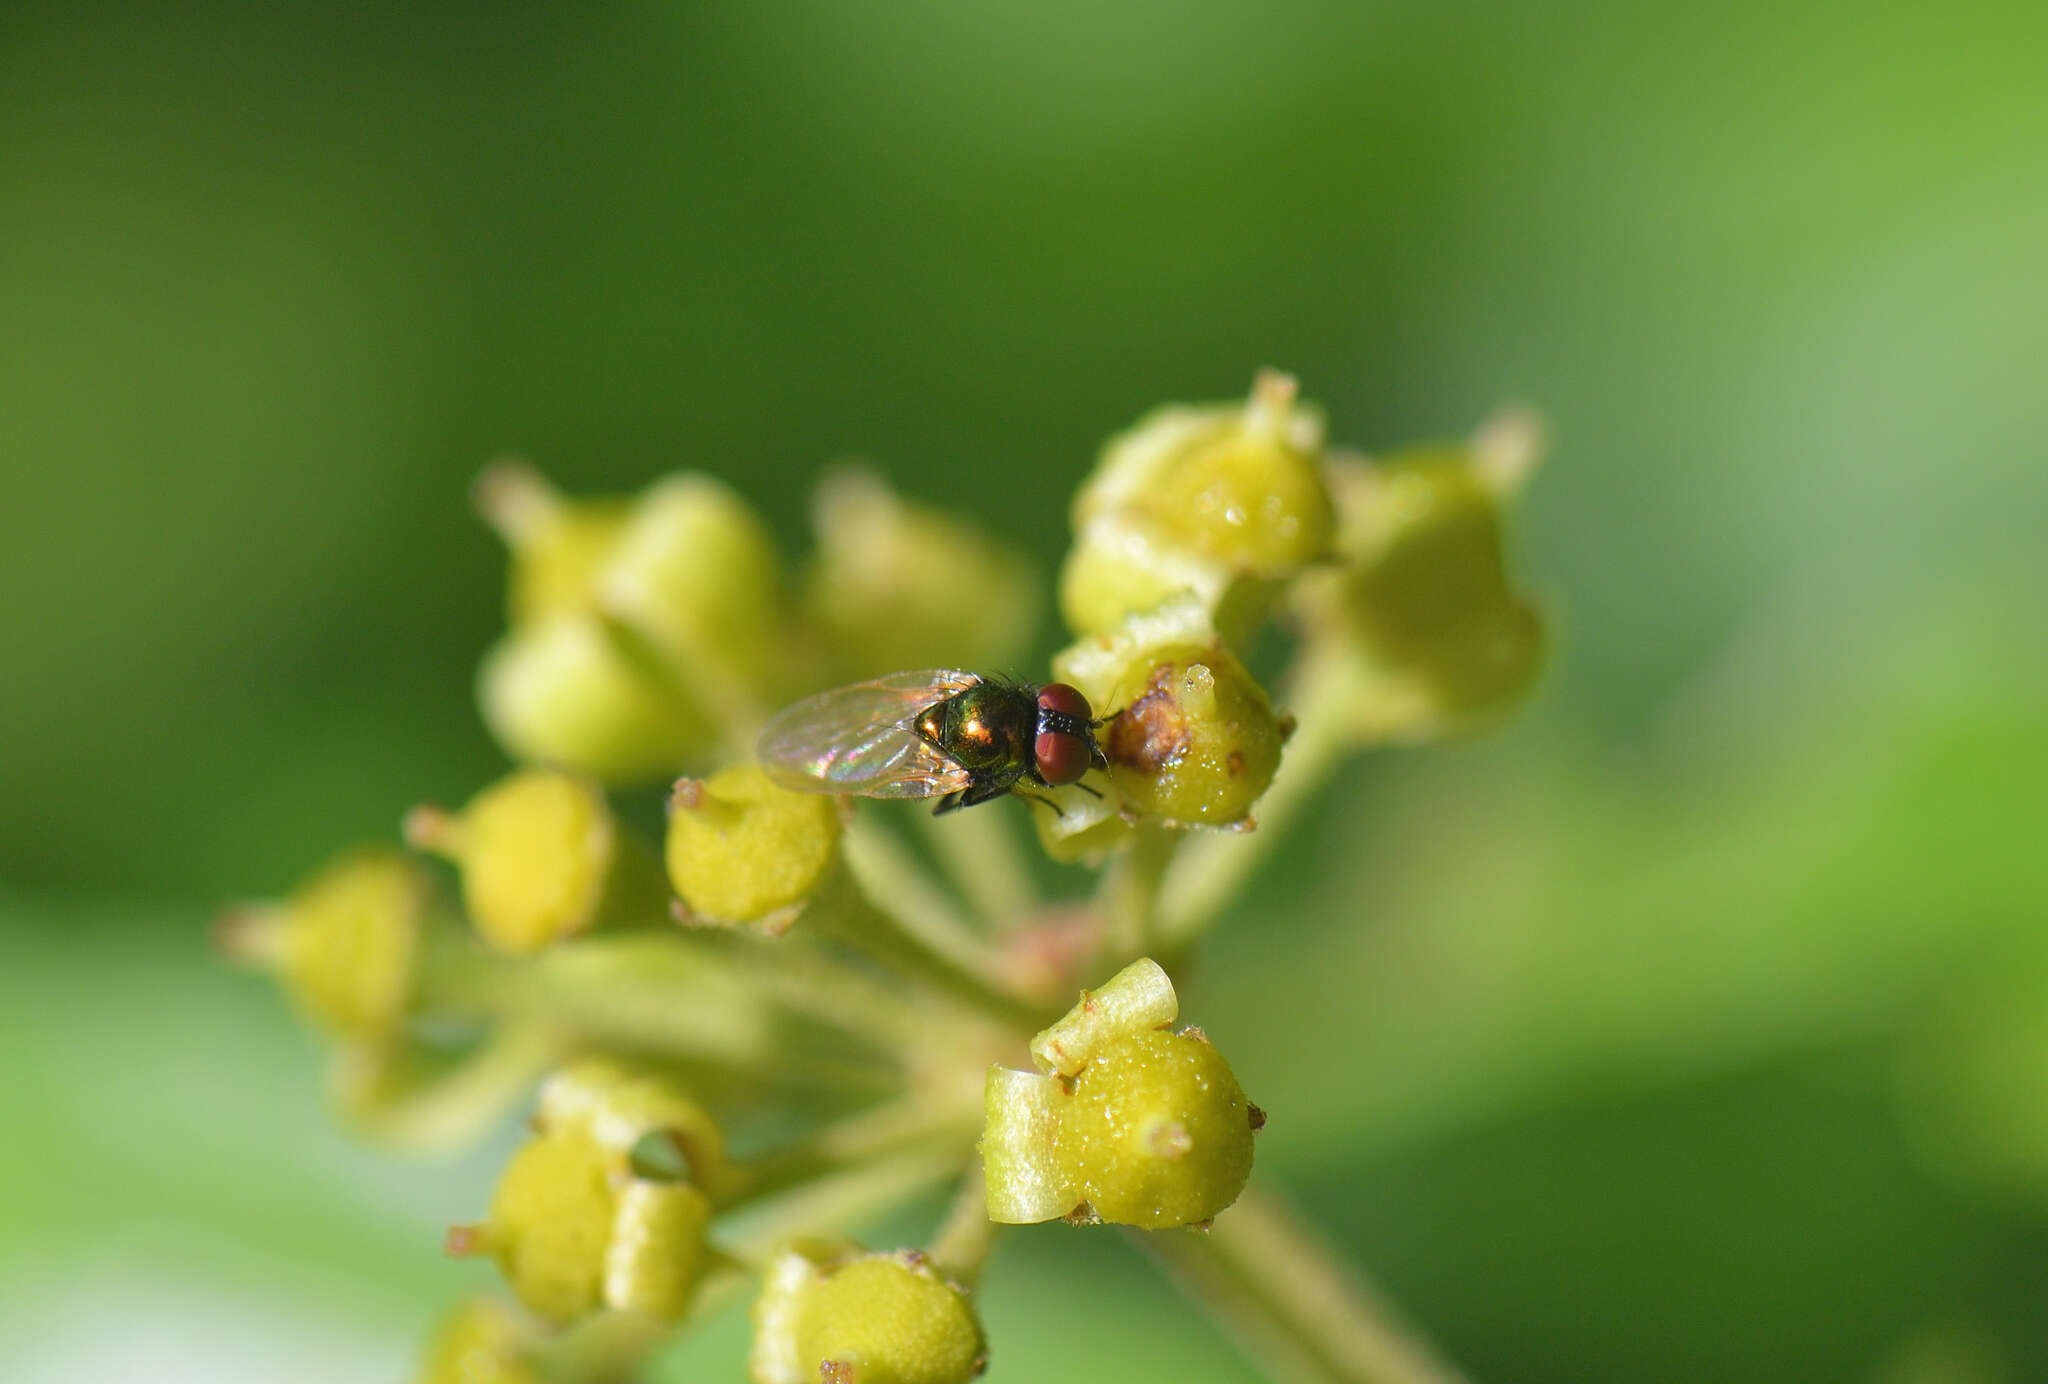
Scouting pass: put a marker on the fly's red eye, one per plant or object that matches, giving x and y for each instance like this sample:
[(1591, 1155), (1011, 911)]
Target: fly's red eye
[(1062, 756), (1068, 701)]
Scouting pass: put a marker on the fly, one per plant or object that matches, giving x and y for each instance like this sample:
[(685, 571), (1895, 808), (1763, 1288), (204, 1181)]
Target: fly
[(958, 737)]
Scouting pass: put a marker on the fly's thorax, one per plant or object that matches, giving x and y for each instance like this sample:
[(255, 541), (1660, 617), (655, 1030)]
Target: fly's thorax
[(987, 727)]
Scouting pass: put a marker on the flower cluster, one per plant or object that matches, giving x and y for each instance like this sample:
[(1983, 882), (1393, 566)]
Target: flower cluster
[(748, 1038)]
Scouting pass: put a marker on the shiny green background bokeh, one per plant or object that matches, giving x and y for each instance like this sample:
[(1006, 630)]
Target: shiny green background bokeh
[(1680, 1031)]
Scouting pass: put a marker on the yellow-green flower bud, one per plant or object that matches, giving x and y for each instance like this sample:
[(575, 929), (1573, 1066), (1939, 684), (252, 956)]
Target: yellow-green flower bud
[(1425, 588), (542, 858), (1126, 1121), (349, 945), (550, 1223), (896, 585), (1192, 739), (1157, 1132), (1089, 824), (839, 1316), (657, 1248), (695, 575), (1116, 568), (741, 850), (620, 1105), (1137, 999), (558, 545), (600, 1208), (1019, 1142), (481, 1342), (563, 691), (1224, 501)]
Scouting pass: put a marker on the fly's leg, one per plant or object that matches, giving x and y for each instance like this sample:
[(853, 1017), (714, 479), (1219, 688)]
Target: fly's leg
[(970, 796), (1095, 754)]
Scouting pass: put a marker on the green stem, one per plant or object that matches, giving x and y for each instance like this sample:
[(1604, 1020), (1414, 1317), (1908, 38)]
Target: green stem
[(444, 1109), (891, 876), (1129, 896), (961, 1245), (892, 879), (905, 1126), (607, 1347), (812, 980), (1297, 1312), (843, 910), (1333, 699), (981, 853), (842, 1202), (714, 999)]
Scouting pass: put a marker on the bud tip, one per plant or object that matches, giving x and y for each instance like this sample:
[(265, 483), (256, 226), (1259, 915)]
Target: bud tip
[(1272, 401), (513, 498), (429, 828), (1508, 447), (250, 934)]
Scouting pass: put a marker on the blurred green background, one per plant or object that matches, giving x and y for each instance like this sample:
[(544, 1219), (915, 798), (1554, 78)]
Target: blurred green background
[(1695, 1027)]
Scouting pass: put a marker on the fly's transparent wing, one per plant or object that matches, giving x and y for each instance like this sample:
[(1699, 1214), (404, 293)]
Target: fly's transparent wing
[(860, 739), (887, 762)]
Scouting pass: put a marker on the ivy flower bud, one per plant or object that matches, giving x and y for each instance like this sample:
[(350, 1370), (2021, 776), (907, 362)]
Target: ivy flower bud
[(542, 858), (563, 691), (1225, 501), (1137, 999), (1193, 739), (620, 1105), (897, 585), (1089, 822), (1425, 588), (602, 1207), (696, 577), (558, 545), (831, 1313), (349, 945), (741, 850), (1126, 1121), (481, 1342)]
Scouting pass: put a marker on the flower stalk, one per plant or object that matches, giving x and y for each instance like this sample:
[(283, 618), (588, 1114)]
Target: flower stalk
[(1297, 1311)]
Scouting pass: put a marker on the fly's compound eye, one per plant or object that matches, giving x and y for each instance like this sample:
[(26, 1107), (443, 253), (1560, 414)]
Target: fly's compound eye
[(1062, 756), (1063, 748), (1067, 701)]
